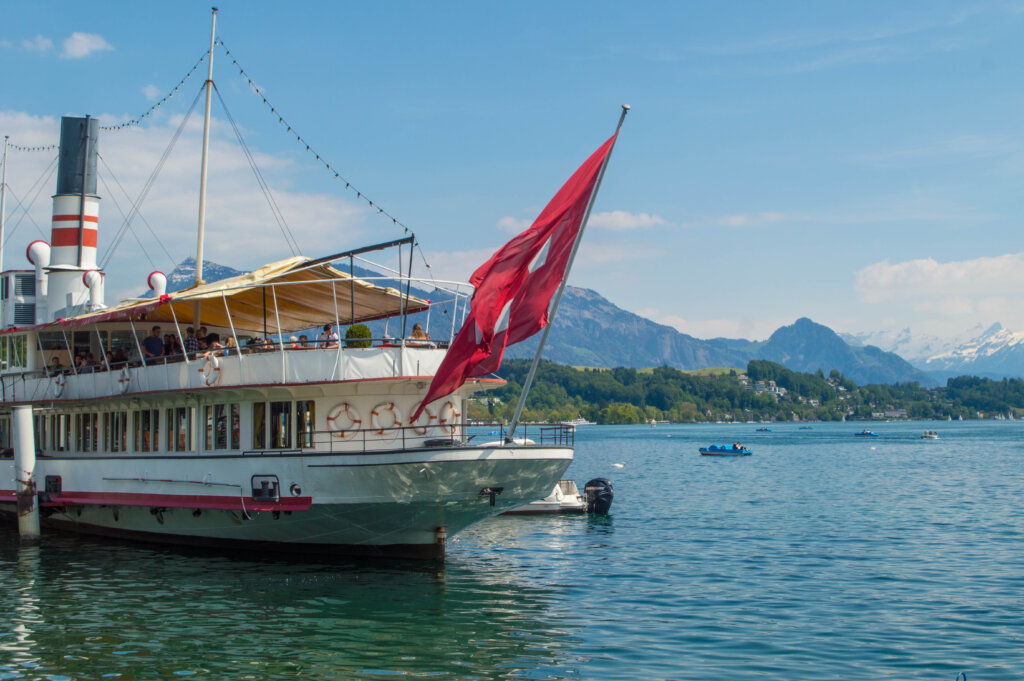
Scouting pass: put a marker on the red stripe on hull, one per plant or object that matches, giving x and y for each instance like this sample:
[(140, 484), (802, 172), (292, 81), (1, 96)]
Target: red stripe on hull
[(204, 501)]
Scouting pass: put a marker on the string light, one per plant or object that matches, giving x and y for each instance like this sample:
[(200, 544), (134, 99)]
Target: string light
[(302, 141), (48, 147), (135, 122)]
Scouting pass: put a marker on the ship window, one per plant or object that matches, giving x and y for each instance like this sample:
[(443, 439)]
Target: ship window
[(179, 429), (62, 432), (40, 426), (305, 422), (259, 425), (115, 426), (221, 420), (147, 433), (236, 421), (86, 435), (5, 432), (280, 424)]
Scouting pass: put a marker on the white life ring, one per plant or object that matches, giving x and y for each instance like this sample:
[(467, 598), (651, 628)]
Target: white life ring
[(124, 381), (390, 430), (211, 370), (341, 430), (59, 381), (448, 418), (422, 429)]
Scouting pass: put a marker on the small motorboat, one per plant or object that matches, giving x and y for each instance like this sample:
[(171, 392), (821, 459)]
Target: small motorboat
[(806, 428), (929, 435), (725, 450), (866, 433), (764, 429), (566, 498)]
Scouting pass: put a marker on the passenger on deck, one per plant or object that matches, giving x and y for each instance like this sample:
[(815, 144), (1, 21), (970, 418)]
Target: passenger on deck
[(191, 342), (419, 338), (55, 364), (152, 346), (304, 342), (328, 339)]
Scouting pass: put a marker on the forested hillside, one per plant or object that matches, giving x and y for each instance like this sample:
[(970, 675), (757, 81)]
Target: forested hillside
[(766, 392)]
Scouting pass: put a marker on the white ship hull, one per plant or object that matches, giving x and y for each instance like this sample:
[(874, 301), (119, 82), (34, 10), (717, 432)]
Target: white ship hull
[(386, 503)]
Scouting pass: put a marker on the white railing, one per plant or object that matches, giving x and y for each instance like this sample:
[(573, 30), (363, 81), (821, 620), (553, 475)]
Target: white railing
[(292, 366)]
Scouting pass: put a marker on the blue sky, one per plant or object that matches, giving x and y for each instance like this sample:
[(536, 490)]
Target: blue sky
[(857, 163)]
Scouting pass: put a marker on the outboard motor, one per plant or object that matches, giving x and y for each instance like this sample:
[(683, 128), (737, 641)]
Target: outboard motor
[(598, 494)]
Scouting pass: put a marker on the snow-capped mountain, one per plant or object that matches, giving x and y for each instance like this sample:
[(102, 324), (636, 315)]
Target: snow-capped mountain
[(994, 352), (916, 348)]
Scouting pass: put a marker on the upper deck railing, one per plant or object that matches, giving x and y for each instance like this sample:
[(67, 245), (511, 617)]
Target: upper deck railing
[(264, 364)]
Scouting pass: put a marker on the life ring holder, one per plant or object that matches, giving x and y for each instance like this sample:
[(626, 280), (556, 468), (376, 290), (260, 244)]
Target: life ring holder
[(124, 380), (211, 370), (422, 430), (448, 418), (349, 431), (391, 431), (59, 381)]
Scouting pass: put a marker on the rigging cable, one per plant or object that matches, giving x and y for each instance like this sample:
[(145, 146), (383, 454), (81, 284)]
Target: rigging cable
[(348, 185), (113, 197), (37, 186), (280, 119), (282, 224), (137, 121), (149, 182)]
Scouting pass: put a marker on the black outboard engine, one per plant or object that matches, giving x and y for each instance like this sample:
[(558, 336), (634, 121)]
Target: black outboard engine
[(598, 495)]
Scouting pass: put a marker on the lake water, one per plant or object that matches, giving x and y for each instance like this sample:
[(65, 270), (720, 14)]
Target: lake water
[(822, 556)]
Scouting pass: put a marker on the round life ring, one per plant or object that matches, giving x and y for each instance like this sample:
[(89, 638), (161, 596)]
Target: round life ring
[(396, 419), (339, 429), (422, 429), (59, 381), (211, 370), (124, 381), (448, 418)]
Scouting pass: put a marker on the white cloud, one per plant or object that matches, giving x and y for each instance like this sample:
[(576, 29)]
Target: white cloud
[(37, 44), (151, 92), (81, 45), (963, 287), (717, 328), (513, 225), (750, 219), (619, 220)]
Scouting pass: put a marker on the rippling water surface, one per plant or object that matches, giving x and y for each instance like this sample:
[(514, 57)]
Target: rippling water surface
[(823, 556)]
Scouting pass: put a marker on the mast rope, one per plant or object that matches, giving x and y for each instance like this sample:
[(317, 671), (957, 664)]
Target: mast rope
[(113, 197), (137, 121), (149, 183), (288, 128), (278, 214), (37, 186)]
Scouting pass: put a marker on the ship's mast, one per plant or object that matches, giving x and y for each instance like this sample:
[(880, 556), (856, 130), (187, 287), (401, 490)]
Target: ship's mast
[(206, 148)]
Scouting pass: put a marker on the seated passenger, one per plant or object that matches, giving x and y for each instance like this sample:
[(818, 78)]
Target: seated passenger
[(419, 338)]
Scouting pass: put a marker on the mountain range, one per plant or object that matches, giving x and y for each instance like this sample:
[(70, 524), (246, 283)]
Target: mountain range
[(992, 352), (589, 330)]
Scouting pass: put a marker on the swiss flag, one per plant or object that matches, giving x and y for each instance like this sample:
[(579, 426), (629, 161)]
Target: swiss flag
[(514, 288)]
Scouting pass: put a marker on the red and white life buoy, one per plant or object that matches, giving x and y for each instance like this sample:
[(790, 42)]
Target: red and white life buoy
[(124, 381), (448, 418), (379, 420), (344, 422), (210, 370), (59, 381), (423, 422)]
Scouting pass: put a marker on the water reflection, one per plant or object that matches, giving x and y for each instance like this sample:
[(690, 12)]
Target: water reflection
[(143, 612)]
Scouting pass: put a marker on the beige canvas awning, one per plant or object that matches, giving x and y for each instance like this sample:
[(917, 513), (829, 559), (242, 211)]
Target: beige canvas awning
[(290, 295)]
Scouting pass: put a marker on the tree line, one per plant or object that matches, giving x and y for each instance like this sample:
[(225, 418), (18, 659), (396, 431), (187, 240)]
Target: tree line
[(767, 391)]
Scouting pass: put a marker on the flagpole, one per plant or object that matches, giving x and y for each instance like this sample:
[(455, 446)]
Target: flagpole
[(510, 437)]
